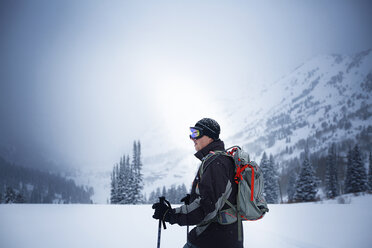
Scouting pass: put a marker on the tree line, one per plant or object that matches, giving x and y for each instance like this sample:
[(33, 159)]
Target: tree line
[(302, 181), (127, 179), (173, 194), (333, 173), (25, 185), (305, 180)]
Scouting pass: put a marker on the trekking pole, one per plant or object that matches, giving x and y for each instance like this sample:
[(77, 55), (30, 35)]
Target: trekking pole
[(186, 200), (187, 230), (161, 200)]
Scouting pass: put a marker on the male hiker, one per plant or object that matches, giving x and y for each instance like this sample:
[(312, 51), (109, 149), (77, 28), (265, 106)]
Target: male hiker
[(210, 188)]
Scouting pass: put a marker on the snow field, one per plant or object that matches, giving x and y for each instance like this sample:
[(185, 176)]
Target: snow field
[(301, 225)]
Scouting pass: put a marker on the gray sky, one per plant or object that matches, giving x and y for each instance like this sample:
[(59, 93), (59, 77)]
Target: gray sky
[(80, 80)]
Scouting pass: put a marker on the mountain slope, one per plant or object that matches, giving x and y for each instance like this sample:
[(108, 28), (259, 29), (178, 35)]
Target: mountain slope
[(327, 99)]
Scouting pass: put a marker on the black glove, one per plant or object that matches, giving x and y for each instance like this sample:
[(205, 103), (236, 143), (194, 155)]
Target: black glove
[(161, 209), (186, 199), (164, 212)]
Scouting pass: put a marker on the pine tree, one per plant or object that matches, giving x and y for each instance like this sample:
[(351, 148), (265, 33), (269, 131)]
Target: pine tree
[(306, 187), (271, 186), (144, 199), (19, 198), (152, 198), (164, 192), (275, 181), (356, 177), (172, 194), (10, 195), (182, 191), (35, 195), (127, 179), (264, 161), (360, 169), (331, 178), (264, 168), (291, 190), (121, 194), (137, 175), (124, 181), (157, 194), (349, 172), (133, 180), (370, 172), (114, 199)]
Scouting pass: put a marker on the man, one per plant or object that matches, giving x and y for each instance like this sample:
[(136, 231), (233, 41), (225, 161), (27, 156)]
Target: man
[(210, 187)]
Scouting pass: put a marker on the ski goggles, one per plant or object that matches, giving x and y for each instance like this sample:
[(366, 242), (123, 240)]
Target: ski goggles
[(196, 133)]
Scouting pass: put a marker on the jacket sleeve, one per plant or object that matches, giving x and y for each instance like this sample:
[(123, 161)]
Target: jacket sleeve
[(213, 188)]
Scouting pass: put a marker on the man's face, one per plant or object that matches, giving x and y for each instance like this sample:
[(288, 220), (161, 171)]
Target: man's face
[(201, 142)]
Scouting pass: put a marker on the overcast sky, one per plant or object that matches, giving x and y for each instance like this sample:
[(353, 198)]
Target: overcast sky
[(80, 80)]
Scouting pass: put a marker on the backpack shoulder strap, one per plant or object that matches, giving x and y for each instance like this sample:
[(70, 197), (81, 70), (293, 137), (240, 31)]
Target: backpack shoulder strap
[(207, 160)]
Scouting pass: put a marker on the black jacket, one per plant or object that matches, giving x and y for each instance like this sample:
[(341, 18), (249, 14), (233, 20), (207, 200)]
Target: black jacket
[(206, 200)]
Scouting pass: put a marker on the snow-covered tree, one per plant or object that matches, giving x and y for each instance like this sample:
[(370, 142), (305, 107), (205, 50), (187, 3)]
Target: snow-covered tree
[(370, 172), (128, 182), (19, 198), (127, 179), (158, 194), (306, 187), (356, 176), (34, 186), (291, 189), (331, 178), (173, 194), (121, 180), (138, 177), (164, 192), (349, 171), (271, 186), (182, 191), (264, 161), (36, 195), (10, 195), (114, 196), (152, 198)]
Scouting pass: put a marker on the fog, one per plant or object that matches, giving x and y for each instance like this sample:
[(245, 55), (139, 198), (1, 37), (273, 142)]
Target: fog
[(80, 80)]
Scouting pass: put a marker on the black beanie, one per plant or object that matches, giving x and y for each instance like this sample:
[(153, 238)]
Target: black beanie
[(210, 127)]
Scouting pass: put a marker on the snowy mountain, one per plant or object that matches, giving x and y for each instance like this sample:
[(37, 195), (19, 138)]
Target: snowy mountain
[(327, 99)]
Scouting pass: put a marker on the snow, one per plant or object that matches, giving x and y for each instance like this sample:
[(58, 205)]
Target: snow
[(304, 225)]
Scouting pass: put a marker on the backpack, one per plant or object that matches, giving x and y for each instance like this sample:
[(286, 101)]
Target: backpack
[(251, 204)]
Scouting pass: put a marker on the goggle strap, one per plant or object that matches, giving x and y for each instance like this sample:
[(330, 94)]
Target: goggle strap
[(207, 127)]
